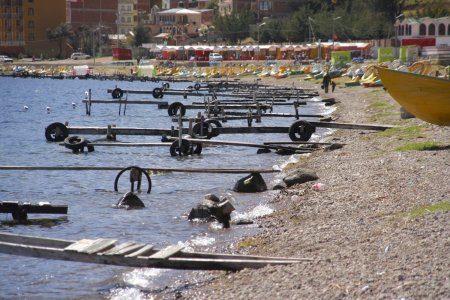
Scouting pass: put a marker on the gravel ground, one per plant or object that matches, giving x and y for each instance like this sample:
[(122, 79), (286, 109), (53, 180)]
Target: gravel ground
[(374, 230)]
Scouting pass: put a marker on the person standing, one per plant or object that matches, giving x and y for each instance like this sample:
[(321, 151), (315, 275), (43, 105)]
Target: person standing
[(326, 81)]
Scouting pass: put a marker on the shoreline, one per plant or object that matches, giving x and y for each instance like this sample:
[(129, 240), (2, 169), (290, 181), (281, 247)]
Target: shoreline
[(375, 230)]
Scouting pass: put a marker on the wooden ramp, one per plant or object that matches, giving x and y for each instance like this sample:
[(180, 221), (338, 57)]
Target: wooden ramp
[(132, 254)]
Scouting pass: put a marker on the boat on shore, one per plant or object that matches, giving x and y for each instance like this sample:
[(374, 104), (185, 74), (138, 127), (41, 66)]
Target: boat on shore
[(132, 254), (426, 97)]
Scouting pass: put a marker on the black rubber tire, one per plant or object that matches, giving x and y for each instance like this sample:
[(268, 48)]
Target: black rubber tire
[(301, 131), (20, 215), (214, 123), (207, 131), (196, 148), (117, 93), (75, 143), (56, 132), (157, 93), (166, 85), (176, 109), (197, 86), (129, 168), (90, 148), (184, 150)]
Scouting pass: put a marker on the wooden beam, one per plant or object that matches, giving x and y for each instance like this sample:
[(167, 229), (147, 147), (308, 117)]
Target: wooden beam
[(124, 101), (152, 169)]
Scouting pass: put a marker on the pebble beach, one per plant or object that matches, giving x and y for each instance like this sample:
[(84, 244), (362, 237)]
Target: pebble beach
[(376, 226)]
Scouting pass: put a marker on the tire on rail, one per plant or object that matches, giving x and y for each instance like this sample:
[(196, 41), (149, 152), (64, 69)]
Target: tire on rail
[(75, 143), (301, 131), (129, 168), (117, 93), (202, 131), (183, 150), (214, 123), (176, 108), (157, 93), (56, 132)]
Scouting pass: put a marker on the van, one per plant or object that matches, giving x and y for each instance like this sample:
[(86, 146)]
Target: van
[(215, 57), (5, 59), (79, 55)]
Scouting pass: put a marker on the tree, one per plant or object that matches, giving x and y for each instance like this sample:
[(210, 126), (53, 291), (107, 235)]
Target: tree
[(141, 35), (214, 5), (60, 35), (234, 27)]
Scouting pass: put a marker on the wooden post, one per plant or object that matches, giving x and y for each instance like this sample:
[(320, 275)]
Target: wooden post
[(125, 107), (258, 113), (249, 118), (108, 132), (89, 103), (180, 130), (202, 119), (296, 110), (191, 122)]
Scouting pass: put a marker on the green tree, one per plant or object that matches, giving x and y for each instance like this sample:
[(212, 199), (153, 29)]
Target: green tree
[(234, 27), (141, 35), (60, 34), (214, 5)]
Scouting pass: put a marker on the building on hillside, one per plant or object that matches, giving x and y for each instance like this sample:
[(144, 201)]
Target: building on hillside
[(169, 4), (127, 16), (432, 36), (109, 19), (24, 24), (423, 31), (261, 8), (180, 24)]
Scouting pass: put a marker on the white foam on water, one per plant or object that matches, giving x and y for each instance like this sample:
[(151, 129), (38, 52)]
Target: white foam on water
[(129, 293), (203, 241), (142, 277), (258, 211)]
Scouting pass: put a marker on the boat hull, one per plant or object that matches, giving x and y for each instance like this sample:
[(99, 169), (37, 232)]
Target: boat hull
[(426, 97)]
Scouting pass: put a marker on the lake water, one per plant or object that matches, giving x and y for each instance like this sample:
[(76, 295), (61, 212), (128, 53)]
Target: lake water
[(90, 194)]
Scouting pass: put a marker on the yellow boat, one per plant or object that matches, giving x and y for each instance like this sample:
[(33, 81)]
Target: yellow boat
[(426, 97)]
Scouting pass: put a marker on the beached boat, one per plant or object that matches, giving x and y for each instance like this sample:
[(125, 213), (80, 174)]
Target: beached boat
[(131, 254), (426, 97)]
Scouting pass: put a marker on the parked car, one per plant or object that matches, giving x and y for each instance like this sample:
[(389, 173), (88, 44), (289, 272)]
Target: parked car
[(79, 55), (5, 59), (215, 57)]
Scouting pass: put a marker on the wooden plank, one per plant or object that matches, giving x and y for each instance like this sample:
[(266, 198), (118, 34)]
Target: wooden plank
[(118, 248), (130, 249), (91, 246), (81, 244), (166, 252), (99, 245), (144, 250)]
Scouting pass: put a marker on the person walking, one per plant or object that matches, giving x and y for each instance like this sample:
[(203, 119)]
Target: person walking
[(326, 81)]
